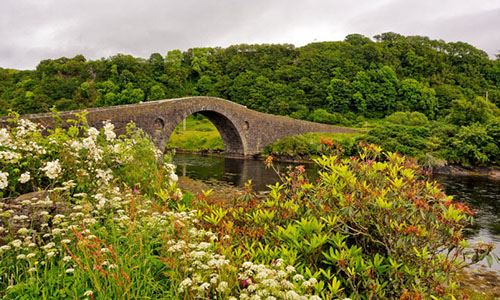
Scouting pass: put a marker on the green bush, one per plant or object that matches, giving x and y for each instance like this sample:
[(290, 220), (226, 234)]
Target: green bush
[(407, 118), (366, 229)]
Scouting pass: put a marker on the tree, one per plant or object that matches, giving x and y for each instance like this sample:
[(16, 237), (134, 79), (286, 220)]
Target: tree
[(413, 96), (339, 95), (156, 93), (464, 112)]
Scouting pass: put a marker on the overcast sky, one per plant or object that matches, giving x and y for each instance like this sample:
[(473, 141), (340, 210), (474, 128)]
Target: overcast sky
[(32, 30)]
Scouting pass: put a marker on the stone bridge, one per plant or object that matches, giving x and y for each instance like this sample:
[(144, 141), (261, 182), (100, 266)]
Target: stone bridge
[(243, 131)]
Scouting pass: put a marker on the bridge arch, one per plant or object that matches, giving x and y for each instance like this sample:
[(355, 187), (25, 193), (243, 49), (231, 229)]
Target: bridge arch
[(231, 132)]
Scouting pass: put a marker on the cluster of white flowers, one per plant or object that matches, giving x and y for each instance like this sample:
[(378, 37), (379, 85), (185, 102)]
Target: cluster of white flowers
[(109, 130), (52, 169), (170, 168), (25, 177), (4, 180), (9, 156), (275, 282)]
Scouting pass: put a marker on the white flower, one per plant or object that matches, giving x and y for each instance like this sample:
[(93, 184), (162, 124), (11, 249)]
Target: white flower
[(25, 177), (50, 254), (70, 270), (185, 283), (315, 298), (22, 231), (52, 169), (222, 287), (93, 132), (88, 293), (17, 243), (67, 258), (204, 286), (21, 256), (108, 130), (76, 145), (4, 248), (4, 180), (174, 177)]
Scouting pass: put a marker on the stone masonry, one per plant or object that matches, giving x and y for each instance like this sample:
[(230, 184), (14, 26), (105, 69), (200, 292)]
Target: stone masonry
[(243, 131)]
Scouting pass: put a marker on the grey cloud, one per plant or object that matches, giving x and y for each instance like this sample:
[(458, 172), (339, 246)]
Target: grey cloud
[(32, 30)]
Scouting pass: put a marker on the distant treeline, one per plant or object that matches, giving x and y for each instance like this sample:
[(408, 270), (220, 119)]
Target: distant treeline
[(327, 81)]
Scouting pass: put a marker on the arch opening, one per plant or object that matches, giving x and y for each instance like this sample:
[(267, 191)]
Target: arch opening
[(230, 142)]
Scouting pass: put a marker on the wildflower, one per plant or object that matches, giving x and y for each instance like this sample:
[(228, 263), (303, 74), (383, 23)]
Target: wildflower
[(244, 283), (52, 169), (22, 231), (298, 277), (67, 258), (290, 269), (4, 180), (31, 255), (4, 248), (88, 293), (185, 283), (174, 177), (93, 132), (32, 270), (108, 130), (315, 298), (70, 270), (50, 254), (25, 177), (49, 245), (17, 243), (222, 287), (205, 286)]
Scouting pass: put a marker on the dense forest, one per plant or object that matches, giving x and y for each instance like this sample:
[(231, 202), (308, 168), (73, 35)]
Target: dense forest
[(344, 82)]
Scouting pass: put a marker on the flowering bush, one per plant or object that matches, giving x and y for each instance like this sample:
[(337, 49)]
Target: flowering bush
[(367, 228), (109, 223)]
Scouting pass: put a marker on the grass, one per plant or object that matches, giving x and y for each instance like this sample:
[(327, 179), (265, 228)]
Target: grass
[(200, 134)]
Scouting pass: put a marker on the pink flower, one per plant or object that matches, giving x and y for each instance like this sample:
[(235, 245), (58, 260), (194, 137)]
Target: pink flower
[(244, 283)]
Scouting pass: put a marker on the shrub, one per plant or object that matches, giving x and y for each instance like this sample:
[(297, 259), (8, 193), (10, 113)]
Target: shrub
[(366, 229), (407, 118)]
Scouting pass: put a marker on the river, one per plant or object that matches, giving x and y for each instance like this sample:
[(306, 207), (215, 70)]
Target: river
[(480, 193)]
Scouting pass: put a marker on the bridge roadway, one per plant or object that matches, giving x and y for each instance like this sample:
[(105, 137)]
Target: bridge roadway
[(243, 131)]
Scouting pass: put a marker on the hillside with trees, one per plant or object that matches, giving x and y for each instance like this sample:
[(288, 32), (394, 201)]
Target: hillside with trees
[(344, 82)]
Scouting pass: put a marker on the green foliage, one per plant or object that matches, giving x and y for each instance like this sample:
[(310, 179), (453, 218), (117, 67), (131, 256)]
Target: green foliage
[(359, 75), (472, 144), (369, 227), (310, 144), (407, 118), (466, 112)]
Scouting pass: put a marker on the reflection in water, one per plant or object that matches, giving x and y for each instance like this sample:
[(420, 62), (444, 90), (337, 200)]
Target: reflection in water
[(235, 171), (481, 194)]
